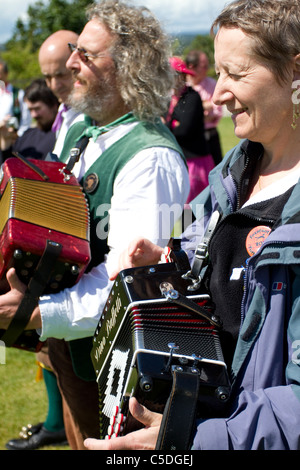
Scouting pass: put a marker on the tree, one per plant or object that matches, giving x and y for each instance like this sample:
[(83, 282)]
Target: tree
[(43, 19), (46, 18), (203, 43)]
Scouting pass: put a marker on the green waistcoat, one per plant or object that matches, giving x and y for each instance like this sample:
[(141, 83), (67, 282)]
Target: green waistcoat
[(103, 174)]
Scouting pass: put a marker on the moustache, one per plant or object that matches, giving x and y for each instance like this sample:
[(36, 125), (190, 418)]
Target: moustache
[(76, 78)]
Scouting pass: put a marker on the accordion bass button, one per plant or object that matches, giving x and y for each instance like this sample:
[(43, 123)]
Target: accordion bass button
[(54, 285), (120, 418), (146, 383), (18, 254), (75, 270), (28, 264), (24, 272), (112, 420), (117, 429), (110, 430)]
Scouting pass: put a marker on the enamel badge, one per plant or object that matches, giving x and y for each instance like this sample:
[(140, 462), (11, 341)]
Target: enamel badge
[(256, 238), (90, 183)]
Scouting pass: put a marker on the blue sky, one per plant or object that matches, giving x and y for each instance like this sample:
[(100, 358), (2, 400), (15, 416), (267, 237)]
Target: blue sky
[(177, 16)]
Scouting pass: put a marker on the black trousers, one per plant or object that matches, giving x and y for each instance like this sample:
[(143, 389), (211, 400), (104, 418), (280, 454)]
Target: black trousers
[(213, 140)]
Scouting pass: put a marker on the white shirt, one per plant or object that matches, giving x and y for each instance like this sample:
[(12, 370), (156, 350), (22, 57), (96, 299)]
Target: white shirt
[(206, 90), (152, 187), (277, 188), (69, 118)]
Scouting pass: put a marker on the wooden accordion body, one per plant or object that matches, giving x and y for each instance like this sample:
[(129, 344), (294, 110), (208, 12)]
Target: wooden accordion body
[(39, 204), (142, 335)]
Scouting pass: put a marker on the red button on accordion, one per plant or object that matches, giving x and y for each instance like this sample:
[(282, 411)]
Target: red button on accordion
[(145, 330), (42, 204)]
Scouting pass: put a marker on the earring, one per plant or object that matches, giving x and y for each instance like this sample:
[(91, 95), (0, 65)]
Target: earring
[(296, 115)]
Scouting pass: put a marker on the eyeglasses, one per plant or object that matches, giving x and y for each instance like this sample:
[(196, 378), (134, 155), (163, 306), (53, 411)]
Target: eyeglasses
[(83, 54)]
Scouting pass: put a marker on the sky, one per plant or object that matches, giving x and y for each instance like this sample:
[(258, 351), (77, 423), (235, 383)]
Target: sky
[(177, 16)]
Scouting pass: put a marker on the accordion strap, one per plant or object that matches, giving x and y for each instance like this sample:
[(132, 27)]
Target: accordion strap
[(201, 253), (178, 422), (34, 290), (31, 165), (75, 153), (175, 297)]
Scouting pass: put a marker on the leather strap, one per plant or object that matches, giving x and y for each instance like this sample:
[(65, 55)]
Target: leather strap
[(179, 299), (201, 253), (75, 153), (178, 255), (178, 422), (34, 290), (31, 165)]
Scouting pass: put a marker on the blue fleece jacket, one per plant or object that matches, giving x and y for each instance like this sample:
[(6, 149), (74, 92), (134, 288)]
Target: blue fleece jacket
[(265, 411)]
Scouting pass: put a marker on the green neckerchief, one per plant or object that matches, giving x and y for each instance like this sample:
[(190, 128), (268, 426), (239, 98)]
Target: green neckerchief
[(94, 131)]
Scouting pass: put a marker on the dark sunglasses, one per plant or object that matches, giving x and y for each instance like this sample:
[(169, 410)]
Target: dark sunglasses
[(83, 54)]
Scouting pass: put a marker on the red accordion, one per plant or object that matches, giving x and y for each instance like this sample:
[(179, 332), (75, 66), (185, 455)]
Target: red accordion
[(42, 205)]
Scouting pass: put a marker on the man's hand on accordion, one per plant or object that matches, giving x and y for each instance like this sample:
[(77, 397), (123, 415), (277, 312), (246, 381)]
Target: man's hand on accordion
[(10, 301), (143, 439), (140, 252)]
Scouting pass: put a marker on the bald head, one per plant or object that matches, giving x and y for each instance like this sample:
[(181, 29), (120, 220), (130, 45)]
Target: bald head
[(53, 55)]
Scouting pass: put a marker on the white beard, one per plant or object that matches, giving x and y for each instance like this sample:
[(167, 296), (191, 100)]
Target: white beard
[(93, 101)]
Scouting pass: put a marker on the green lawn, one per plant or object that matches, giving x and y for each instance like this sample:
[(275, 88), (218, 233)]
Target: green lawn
[(227, 136), (23, 399)]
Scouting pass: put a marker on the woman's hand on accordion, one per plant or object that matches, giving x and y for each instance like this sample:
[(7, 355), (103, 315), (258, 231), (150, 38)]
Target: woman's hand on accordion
[(143, 439), (140, 252)]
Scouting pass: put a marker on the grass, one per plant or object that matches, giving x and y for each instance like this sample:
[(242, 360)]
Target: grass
[(23, 400), (227, 136)]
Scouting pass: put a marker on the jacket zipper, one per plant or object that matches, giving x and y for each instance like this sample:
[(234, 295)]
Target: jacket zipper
[(246, 275), (241, 178)]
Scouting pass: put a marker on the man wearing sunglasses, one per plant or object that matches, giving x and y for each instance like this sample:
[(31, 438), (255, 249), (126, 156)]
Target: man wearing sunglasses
[(131, 169)]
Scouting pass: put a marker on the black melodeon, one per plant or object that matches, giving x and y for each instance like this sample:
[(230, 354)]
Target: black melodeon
[(152, 329)]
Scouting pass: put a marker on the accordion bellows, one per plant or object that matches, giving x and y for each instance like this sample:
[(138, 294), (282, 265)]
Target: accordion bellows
[(39, 206), (50, 205)]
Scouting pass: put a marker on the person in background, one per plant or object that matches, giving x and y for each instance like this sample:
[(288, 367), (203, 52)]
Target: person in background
[(12, 106), (197, 61), (53, 55), (132, 169), (252, 268), (185, 119)]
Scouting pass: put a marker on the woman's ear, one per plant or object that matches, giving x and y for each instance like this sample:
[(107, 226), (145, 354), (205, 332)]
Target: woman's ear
[(296, 67)]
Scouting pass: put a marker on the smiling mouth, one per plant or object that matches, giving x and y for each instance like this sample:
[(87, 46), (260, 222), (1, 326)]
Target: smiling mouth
[(236, 112), (76, 79)]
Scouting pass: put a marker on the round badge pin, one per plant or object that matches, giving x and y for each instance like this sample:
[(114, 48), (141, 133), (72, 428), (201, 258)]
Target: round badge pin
[(90, 183), (256, 238)]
